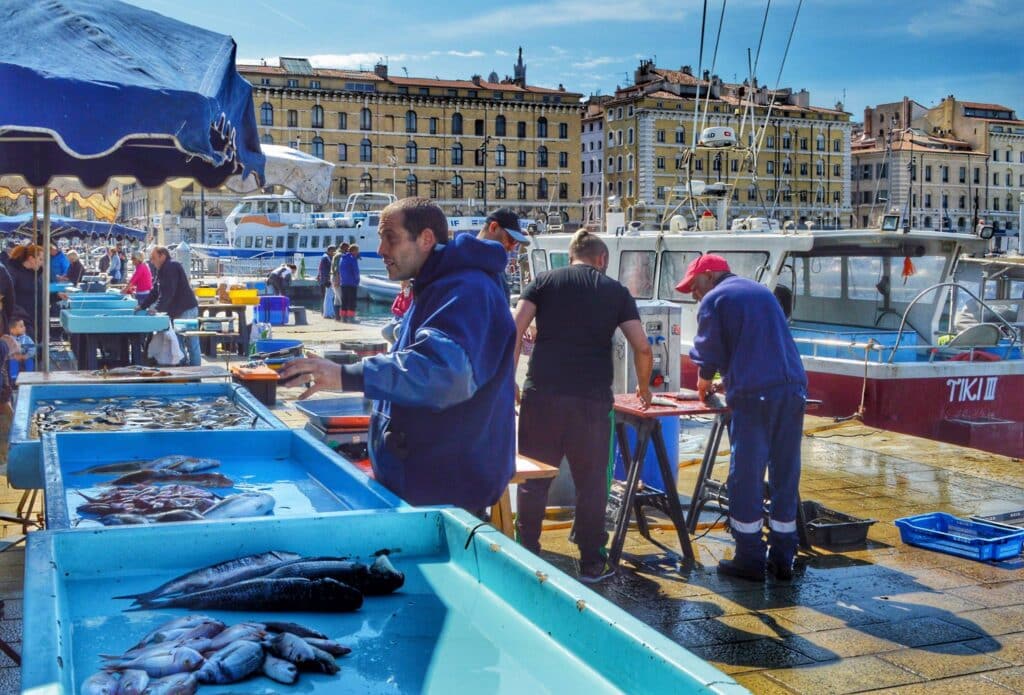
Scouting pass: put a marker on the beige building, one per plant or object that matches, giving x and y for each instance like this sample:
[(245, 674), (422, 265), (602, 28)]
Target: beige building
[(468, 144), (802, 169)]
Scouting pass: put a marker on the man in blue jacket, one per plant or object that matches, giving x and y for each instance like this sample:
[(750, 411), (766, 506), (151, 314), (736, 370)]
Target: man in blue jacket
[(443, 423), (743, 334), (172, 294)]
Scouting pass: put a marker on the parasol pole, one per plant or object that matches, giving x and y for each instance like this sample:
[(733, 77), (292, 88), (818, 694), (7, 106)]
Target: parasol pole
[(45, 323), (35, 215)]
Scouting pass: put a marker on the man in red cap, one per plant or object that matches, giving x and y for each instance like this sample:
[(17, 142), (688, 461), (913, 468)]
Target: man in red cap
[(742, 333)]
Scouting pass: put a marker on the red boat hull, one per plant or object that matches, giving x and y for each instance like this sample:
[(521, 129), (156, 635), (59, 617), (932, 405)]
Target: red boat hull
[(976, 408)]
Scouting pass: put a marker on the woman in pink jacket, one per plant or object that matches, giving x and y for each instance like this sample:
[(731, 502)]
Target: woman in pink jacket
[(141, 282)]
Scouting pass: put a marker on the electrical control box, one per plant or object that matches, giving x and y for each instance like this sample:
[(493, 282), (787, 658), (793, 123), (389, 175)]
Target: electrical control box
[(661, 321)]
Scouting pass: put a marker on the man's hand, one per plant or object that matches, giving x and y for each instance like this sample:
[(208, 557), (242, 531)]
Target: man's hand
[(705, 388), (643, 392), (326, 375)]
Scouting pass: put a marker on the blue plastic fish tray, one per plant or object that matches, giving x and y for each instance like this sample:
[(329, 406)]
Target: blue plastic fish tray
[(101, 301), (968, 538), (302, 475), (115, 321), (477, 613), (25, 465)]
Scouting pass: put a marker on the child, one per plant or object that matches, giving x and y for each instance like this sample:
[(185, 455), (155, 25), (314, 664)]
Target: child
[(25, 346)]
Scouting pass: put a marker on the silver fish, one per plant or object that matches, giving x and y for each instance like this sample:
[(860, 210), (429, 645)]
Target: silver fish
[(194, 465), (178, 660), (242, 505), (133, 682), (290, 647), (231, 664), (322, 662), (102, 683), (328, 645), (222, 573), (279, 670), (178, 684), (251, 632), (294, 628), (184, 623)]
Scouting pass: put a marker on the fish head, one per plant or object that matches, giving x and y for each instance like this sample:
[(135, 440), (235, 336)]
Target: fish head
[(187, 659), (102, 683)]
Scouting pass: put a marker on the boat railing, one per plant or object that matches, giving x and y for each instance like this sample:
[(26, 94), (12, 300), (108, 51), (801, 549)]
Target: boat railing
[(819, 346), (1008, 328)]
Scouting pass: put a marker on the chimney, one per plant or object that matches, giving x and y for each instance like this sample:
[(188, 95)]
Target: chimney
[(381, 71), (868, 112), (476, 80)]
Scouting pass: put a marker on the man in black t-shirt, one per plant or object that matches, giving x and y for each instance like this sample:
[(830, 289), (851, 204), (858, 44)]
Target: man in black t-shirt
[(567, 396)]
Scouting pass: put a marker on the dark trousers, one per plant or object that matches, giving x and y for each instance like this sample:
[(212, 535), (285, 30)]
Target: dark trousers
[(348, 298), (765, 433), (277, 286), (550, 427)]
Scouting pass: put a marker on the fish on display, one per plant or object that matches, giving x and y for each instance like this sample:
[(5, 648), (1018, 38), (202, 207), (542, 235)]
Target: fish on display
[(244, 504), (280, 670), (178, 684), (159, 664), (226, 572), (133, 682), (170, 475), (233, 663), (377, 579), (102, 683), (262, 594), (152, 413), (139, 504)]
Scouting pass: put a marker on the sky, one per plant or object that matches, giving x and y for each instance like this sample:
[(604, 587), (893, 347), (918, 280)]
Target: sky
[(860, 52)]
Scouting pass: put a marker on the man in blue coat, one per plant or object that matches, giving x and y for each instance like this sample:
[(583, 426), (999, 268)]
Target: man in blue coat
[(443, 423), (742, 333)]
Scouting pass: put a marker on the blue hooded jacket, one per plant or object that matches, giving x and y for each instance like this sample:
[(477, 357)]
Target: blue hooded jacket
[(742, 332), (348, 271), (443, 424)]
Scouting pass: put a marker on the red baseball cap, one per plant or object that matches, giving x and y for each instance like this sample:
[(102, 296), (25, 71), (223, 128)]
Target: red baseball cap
[(709, 262)]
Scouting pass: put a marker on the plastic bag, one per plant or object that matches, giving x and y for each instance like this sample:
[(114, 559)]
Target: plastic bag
[(328, 307), (165, 349)]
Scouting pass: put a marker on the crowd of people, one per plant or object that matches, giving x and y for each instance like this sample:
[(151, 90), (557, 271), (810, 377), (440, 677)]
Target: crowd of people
[(337, 275)]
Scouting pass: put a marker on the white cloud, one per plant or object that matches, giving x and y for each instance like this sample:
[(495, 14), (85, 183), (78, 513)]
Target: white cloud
[(467, 54), (591, 63), (964, 17), (351, 61), (562, 13), (500, 52)]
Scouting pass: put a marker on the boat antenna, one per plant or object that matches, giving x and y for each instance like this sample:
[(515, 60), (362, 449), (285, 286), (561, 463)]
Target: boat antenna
[(778, 78), (700, 68), (714, 61)]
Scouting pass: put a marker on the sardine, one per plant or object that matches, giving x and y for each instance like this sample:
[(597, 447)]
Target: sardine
[(244, 504), (330, 646), (220, 574), (279, 670), (102, 683), (295, 629), (178, 684), (233, 663), (291, 647), (133, 682), (179, 660), (261, 594)]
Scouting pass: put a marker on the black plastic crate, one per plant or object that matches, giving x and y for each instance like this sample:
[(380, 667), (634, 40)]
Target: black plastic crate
[(827, 527)]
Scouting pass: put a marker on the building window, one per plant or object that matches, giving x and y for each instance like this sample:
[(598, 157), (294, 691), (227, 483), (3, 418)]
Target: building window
[(293, 118), (769, 167), (433, 125), (837, 145), (521, 159), (963, 203), (411, 186), (542, 188), (945, 201), (365, 119), (837, 170), (433, 155), (659, 193), (995, 155), (521, 190), (659, 162), (501, 188), (734, 165), (266, 114), (629, 188), (680, 135), (456, 124), (318, 147), (927, 200), (365, 150), (716, 163), (563, 131), (342, 120), (342, 152), (542, 127), (787, 167), (456, 186), (292, 83), (803, 144), (343, 186), (963, 174), (542, 156), (787, 141), (928, 172), (995, 179), (521, 129), (499, 156), (804, 169), (411, 152), (819, 168), (563, 191), (1008, 180), (927, 222), (698, 165), (751, 192), (456, 154), (819, 143), (618, 163), (563, 159), (410, 121), (478, 127), (451, 92), (835, 196), (977, 175), (944, 171), (318, 116), (995, 204), (882, 170), (499, 126), (660, 136), (629, 137), (267, 139), (479, 189)]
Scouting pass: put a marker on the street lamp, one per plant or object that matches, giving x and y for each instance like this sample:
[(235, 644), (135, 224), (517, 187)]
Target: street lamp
[(483, 154)]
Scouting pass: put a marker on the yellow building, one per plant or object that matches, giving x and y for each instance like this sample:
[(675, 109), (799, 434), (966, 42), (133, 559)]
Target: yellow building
[(802, 170), (468, 144)]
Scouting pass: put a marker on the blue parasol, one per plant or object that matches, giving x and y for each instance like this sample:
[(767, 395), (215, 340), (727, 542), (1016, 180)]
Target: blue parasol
[(68, 226)]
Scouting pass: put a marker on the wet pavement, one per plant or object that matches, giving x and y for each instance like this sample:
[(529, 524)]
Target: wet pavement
[(880, 616)]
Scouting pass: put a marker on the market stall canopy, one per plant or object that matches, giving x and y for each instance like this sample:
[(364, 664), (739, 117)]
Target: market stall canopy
[(308, 177), (98, 88), (104, 203), (67, 226)]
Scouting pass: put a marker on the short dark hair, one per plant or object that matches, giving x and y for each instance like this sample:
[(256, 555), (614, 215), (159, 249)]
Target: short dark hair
[(15, 321), (419, 214), (292, 266), (586, 246), (330, 249), (161, 251)]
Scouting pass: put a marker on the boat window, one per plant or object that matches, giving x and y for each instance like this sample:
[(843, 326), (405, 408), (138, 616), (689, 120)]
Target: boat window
[(927, 272), (558, 259), (636, 272), (826, 276), (303, 242), (271, 206), (280, 242), (748, 264), (261, 206), (1016, 289), (374, 220), (259, 242), (673, 268), (246, 207), (248, 242), (270, 242), (351, 239), (539, 261), (314, 242), (863, 274)]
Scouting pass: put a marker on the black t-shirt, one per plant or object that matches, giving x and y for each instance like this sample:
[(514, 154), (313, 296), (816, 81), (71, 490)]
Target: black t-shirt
[(578, 310)]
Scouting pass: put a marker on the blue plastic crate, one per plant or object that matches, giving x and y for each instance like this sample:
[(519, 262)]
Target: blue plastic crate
[(968, 538), (273, 310), (294, 347)]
